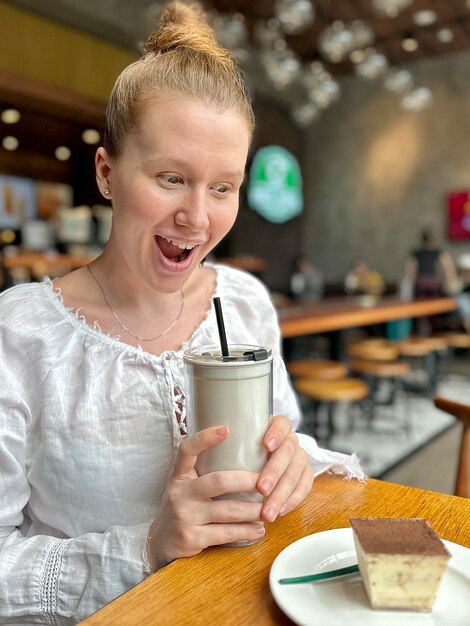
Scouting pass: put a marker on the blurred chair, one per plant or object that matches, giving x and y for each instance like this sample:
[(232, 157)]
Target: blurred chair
[(374, 349), (329, 393), (314, 369), (427, 350), (462, 413), (392, 372)]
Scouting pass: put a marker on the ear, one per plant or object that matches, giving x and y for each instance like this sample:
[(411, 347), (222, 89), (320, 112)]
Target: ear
[(103, 170)]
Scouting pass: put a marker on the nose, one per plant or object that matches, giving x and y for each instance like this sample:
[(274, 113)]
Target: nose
[(194, 213)]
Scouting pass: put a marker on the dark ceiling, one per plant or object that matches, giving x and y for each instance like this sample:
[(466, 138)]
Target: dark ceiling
[(128, 22)]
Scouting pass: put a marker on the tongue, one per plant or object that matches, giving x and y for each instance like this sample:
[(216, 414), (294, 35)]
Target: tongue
[(168, 249)]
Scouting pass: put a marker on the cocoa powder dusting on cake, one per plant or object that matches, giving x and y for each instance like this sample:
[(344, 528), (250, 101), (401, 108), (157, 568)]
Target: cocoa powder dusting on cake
[(381, 535)]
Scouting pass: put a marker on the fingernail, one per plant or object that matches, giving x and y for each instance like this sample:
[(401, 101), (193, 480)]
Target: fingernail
[(222, 431), (260, 531), (270, 513), (283, 510), (266, 486), (272, 443)]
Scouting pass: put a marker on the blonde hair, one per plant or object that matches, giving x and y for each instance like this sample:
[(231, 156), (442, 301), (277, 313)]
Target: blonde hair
[(180, 56)]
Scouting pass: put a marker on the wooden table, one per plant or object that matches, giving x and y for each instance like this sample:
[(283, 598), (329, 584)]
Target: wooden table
[(31, 260), (229, 586), (334, 314)]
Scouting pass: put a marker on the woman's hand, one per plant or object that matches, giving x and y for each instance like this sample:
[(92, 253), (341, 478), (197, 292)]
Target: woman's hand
[(189, 520), (287, 477)]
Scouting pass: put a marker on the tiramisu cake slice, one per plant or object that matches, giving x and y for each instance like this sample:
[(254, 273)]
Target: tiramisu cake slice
[(402, 561)]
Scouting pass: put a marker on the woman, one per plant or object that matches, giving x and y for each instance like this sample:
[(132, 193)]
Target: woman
[(430, 270), (98, 486)]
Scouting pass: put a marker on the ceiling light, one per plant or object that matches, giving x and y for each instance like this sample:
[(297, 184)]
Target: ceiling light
[(398, 80), (7, 236), (417, 100), (373, 65), (424, 18), (10, 143), (409, 44), (62, 153), (10, 116), (390, 8), (304, 114), (91, 136), (445, 35), (294, 15), (356, 56)]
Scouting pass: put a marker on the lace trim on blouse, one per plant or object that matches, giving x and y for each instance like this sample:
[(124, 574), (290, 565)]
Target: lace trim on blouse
[(50, 583), (177, 396)]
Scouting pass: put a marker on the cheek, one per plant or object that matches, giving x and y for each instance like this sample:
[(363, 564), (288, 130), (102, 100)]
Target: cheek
[(226, 219)]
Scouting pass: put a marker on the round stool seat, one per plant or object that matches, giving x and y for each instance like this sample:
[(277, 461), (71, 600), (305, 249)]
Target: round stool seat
[(343, 389), (373, 350), (458, 340), (417, 346), (439, 343), (318, 370), (381, 369)]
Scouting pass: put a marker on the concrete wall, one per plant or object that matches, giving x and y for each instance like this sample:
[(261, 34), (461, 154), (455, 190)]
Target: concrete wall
[(376, 174)]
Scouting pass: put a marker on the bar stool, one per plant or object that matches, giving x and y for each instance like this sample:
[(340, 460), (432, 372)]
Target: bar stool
[(462, 413), (373, 350), (329, 393), (458, 340), (424, 349), (317, 369), (374, 372)]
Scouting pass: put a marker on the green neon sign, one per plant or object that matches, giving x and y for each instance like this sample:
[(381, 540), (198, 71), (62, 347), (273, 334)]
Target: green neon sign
[(275, 185)]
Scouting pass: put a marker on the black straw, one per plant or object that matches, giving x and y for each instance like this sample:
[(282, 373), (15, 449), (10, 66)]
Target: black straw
[(221, 327)]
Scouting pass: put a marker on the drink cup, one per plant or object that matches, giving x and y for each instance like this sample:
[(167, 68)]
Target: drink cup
[(235, 391)]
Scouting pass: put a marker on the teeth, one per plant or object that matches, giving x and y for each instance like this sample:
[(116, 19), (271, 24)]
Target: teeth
[(182, 246)]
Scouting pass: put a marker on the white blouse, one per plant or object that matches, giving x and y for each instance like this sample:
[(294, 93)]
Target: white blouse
[(89, 427)]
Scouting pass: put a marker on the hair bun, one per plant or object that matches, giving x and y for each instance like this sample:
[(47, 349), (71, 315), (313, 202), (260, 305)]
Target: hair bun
[(183, 25)]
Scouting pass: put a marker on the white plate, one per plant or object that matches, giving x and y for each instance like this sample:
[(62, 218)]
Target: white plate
[(343, 601)]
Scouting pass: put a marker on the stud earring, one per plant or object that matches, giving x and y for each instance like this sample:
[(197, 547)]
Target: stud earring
[(106, 191)]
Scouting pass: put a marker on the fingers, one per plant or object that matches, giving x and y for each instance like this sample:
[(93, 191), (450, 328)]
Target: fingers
[(292, 478), (279, 429), (220, 534), (233, 511), (300, 492), (192, 446), (277, 464), (226, 482)]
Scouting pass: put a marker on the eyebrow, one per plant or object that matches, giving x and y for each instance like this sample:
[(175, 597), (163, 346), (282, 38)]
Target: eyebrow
[(179, 163)]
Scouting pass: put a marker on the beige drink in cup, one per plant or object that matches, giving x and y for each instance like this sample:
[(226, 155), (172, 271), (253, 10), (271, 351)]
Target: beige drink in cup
[(235, 391)]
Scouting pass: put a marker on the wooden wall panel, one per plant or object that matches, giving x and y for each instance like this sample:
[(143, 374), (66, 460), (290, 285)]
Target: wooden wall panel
[(43, 50)]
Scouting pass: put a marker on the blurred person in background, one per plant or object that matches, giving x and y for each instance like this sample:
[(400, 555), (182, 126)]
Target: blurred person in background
[(362, 280), (307, 281), (429, 273), (429, 270)]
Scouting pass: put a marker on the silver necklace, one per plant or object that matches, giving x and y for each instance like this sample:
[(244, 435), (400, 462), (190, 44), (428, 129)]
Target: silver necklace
[(164, 332)]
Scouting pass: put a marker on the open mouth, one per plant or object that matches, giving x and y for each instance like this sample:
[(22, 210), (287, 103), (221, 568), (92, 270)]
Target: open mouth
[(174, 251)]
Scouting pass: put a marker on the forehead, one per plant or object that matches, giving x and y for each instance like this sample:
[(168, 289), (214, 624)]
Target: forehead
[(179, 122)]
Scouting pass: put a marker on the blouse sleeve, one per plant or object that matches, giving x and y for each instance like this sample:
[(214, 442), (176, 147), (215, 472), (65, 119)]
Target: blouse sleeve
[(45, 579)]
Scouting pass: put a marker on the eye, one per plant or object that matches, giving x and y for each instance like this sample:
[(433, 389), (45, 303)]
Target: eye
[(222, 189), (171, 180)]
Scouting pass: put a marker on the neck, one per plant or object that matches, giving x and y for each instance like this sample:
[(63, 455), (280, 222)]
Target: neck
[(127, 292)]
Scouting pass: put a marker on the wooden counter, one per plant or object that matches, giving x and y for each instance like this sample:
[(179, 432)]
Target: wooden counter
[(229, 586), (347, 312)]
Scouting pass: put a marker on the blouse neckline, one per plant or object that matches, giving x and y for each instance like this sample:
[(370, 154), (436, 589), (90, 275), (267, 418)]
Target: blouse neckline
[(80, 322)]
